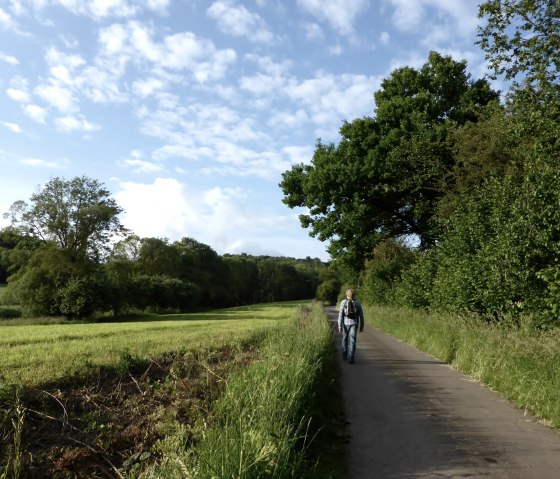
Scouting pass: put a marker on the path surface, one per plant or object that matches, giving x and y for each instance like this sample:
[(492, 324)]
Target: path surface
[(411, 416)]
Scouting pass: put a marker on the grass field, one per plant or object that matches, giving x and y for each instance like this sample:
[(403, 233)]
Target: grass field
[(244, 392), (37, 354)]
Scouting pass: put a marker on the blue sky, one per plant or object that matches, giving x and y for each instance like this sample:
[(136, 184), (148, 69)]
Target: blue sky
[(188, 111)]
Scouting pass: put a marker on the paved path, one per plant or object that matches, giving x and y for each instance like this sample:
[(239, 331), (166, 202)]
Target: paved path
[(411, 416)]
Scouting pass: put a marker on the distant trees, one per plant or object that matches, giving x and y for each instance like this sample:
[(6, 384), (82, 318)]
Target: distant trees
[(58, 260), (78, 215), (69, 224)]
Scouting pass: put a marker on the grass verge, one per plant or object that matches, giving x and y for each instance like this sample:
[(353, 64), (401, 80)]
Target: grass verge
[(521, 365), (269, 423)]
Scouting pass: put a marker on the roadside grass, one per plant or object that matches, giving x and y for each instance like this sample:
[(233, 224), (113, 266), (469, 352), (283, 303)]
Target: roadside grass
[(278, 418), (521, 364), (45, 353)]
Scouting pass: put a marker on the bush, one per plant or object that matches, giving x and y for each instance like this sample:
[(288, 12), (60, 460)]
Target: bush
[(327, 291), (383, 271)]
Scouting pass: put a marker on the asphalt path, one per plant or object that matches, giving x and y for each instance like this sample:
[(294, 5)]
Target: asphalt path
[(412, 416)]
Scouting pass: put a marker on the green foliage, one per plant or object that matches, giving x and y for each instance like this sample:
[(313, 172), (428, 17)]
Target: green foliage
[(244, 278), (415, 289), (383, 271), (387, 174), (82, 296), (36, 285), (328, 290), (520, 39), (78, 215)]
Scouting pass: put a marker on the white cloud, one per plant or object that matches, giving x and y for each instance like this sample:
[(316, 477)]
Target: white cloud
[(336, 50), (6, 20), (314, 32), (219, 217), (72, 123), (96, 9), (159, 6), (180, 51), (9, 59), (148, 86), (340, 14), (36, 113), (385, 38), (140, 166), (288, 119), (98, 83), (55, 57), (158, 209), (57, 96), (330, 99), (13, 127), (18, 95), (40, 163), (270, 66), (261, 84), (410, 15), (238, 21), (298, 154)]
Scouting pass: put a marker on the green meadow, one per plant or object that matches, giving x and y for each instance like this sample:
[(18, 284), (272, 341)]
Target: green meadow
[(45, 353)]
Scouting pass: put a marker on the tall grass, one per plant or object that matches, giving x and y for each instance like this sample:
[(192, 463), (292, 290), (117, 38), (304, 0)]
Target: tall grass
[(523, 365), (263, 425)]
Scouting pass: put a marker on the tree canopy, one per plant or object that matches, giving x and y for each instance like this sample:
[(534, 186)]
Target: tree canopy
[(521, 39), (387, 173), (78, 215)]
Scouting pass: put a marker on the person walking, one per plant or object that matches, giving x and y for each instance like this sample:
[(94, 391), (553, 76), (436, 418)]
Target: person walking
[(350, 318)]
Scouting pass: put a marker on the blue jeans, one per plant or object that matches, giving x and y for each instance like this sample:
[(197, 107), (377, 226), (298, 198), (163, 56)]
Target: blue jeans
[(349, 333)]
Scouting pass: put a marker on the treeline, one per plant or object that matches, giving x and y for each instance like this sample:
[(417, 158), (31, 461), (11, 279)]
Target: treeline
[(59, 259), (448, 198)]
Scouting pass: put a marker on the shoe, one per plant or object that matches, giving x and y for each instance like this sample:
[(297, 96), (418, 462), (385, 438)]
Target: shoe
[(344, 356), (351, 361)]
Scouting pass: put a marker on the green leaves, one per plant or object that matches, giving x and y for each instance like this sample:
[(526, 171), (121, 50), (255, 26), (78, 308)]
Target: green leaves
[(387, 174), (521, 39), (79, 215)]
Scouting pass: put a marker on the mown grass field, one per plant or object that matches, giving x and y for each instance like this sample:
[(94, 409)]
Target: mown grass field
[(37, 354)]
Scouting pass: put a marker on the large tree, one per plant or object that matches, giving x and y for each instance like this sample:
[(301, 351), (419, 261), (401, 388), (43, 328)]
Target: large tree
[(74, 222), (78, 215), (388, 172)]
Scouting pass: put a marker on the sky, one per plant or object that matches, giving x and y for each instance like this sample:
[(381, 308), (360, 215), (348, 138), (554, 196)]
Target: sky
[(189, 111)]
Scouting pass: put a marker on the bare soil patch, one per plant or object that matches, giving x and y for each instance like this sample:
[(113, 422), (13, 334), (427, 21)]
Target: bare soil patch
[(104, 425)]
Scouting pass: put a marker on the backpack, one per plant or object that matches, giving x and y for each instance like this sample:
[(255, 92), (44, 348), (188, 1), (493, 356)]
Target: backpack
[(350, 309)]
